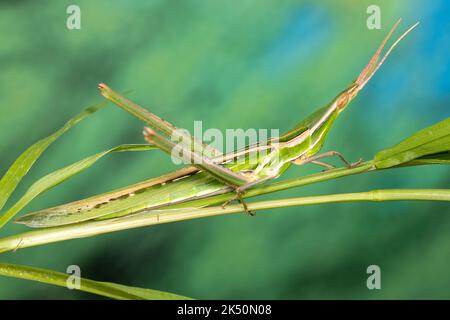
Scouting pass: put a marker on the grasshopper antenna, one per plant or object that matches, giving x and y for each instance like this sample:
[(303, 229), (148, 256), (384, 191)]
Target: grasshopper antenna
[(375, 62)]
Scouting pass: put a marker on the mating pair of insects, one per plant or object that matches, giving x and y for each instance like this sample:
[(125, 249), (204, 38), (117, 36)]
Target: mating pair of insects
[(212, 175)]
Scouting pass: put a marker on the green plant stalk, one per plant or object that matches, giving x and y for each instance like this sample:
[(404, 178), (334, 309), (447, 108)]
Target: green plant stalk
[(87, 229), (106, 289)]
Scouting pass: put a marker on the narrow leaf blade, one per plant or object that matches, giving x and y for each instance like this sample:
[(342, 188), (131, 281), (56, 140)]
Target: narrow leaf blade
[(427, 142), (59, 176), (107, 289), (26, 160)]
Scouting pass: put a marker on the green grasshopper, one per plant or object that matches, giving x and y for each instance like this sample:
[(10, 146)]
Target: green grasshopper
[(210, 175)]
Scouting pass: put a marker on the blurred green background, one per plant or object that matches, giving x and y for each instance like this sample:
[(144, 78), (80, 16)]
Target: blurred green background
[(232, 64)]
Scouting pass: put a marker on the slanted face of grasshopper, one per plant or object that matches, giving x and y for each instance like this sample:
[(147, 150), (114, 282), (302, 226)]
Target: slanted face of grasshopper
[(211, 175)]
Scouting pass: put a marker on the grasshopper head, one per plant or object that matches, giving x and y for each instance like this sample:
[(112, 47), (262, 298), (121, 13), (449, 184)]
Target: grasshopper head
[(344, 98)]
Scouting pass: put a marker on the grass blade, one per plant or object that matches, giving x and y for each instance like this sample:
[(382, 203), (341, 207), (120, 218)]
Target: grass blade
[(437, 158), (25, 161), (427, 142), (59, 176), (106, 289)]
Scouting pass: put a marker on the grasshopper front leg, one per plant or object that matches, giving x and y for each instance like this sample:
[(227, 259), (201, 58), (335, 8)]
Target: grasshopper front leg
[(314, 159)]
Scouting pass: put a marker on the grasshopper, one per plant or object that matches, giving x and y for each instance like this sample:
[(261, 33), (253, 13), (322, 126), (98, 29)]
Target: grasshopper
[(210, 175)]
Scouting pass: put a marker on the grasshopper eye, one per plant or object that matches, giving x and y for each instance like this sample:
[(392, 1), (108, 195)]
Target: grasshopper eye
[(346, 96), (343, 100)]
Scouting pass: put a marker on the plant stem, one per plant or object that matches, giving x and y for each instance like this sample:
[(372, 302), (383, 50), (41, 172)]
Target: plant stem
[(87, 229), (50, 277), (106, 289)]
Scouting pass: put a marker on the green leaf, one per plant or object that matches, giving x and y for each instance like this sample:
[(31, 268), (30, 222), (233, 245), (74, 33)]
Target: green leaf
[(437, 158), (25, 161), (63, 174), (431, 141), (107, 289)]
